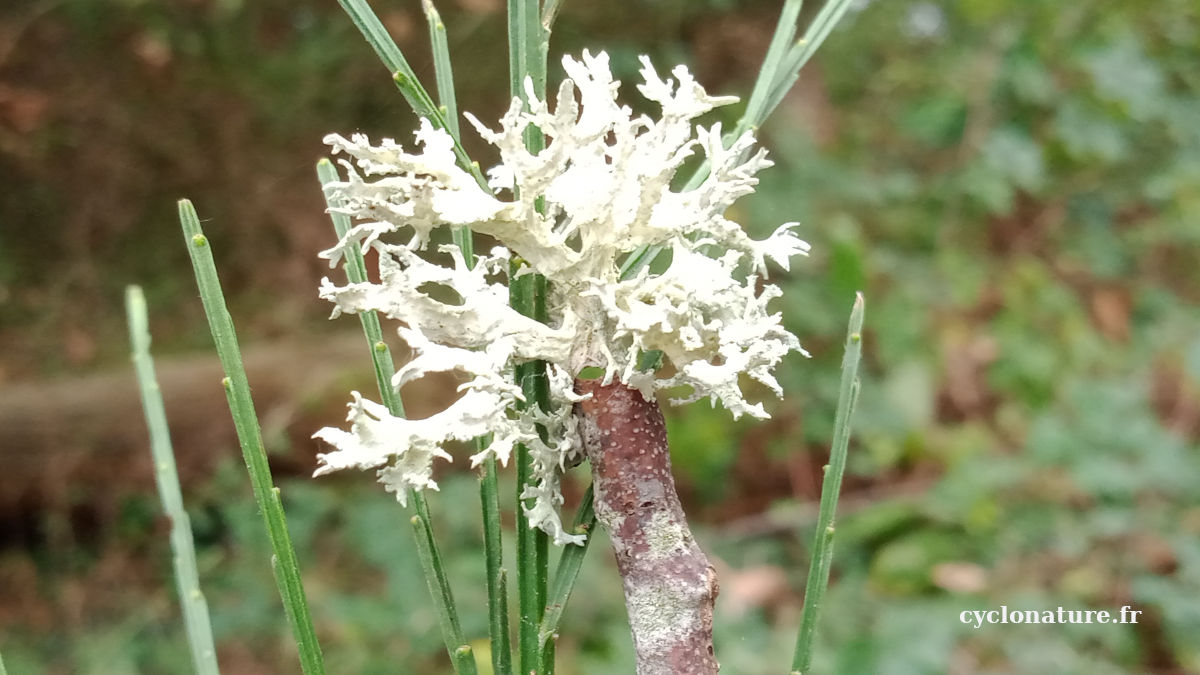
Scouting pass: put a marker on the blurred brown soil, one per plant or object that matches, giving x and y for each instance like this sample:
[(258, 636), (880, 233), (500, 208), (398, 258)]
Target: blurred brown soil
[(81, 443), (83, 440), (74, 450)]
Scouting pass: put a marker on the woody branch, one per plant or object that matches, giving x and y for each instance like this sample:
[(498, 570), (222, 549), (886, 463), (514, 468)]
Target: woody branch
[(670, 587)]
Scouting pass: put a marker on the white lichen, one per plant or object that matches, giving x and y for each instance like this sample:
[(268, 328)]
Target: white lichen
[(600, 189), (659, 615)]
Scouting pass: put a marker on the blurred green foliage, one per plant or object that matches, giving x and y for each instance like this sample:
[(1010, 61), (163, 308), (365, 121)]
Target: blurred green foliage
[(1014, 186)]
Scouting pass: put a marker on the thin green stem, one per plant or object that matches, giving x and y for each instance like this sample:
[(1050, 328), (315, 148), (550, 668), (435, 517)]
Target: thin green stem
[(241, 405), (493, 544), (822, 556), (356, 272), (528, 45), (516, 48), (439, 585), (785, 31), (527, 295), (497, 587), (187, 580), (441, 67), (550, 14), (406, 80), (532, 551), (814, 36), (381, 357), (372, 29), (779, 73), (464, 661), (439, 588), (444, 117), (389, 53), (537, 44), (422, 104), (567, 571), (3, 671), (448, 108)]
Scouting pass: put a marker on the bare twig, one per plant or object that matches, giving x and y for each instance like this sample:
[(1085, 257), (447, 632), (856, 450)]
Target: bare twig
[(670, 587)]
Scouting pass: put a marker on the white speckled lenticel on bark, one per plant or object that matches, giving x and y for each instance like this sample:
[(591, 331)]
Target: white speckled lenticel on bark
[(669, 585)]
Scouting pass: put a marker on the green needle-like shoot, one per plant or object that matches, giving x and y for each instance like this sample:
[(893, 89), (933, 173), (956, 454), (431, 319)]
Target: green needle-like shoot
[(187, 579), (245, 420), (822, 553)]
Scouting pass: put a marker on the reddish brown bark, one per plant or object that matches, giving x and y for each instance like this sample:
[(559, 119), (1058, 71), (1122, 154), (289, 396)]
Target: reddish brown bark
[(669, 585)]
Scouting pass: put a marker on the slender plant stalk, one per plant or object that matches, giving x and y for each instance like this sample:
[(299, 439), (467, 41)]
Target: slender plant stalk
[(781, 41), (241, 405), (516, 48), (445, 116), (372, 29), (381, 358), (501, 646), (441, 65), (820, 28), (567, 571), (532, 544), (460, 656), (187, 579), (550, 14), (497, 584), (356, 272), (529, 31), (406, 79), (528, 45), (822, 555), (779, 73), (439, 587)]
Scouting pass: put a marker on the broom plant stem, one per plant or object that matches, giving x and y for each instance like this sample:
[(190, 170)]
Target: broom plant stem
[(187, 580), (381, 357), (528, 40), (779, 73), (822, 553), (241, 405)]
